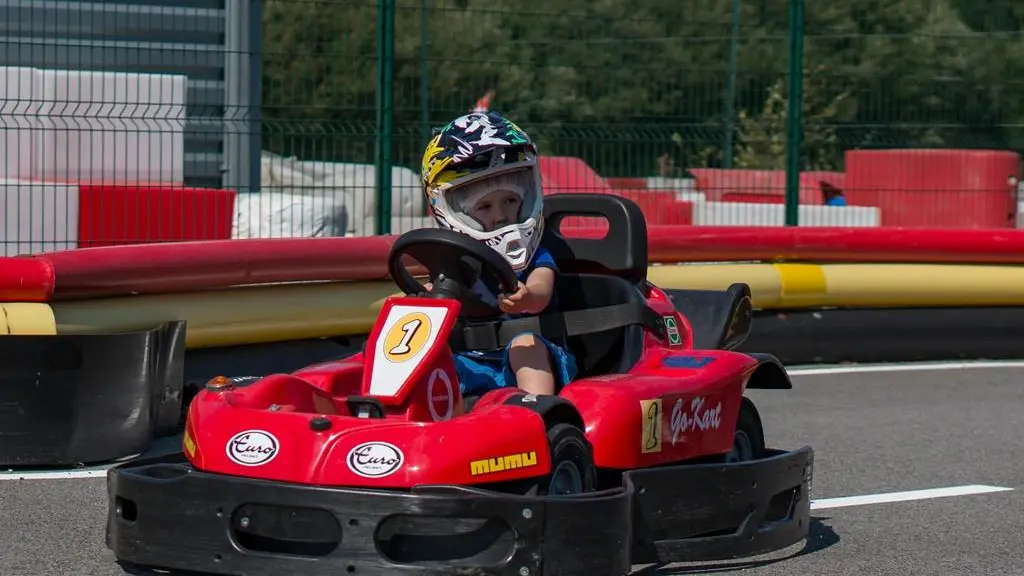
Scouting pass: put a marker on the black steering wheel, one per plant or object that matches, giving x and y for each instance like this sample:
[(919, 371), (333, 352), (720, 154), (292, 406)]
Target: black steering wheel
[(454, 263)]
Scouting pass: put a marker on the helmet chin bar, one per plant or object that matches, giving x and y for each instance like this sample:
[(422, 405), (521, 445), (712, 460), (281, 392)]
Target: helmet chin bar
[(516, 243)]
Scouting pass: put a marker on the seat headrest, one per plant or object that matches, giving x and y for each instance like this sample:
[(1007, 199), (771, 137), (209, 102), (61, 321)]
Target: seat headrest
[(622, 251)]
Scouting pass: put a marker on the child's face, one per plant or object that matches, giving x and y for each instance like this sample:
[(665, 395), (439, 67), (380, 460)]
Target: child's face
[(496, 209)]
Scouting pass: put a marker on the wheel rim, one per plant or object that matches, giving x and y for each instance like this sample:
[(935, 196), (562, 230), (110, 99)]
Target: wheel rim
[(742, 448), (565, 479)]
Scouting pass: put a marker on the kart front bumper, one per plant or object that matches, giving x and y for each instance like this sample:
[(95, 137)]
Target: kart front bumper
[(165, 514)]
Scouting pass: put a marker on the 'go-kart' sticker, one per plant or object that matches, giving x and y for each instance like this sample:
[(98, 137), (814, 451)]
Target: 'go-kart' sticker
[(375, 459), (252, 448)]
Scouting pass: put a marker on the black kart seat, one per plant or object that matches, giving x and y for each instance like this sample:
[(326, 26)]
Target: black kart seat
[(600, 287)]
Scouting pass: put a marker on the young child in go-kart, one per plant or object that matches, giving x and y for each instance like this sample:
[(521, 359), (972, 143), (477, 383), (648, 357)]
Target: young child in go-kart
[(481, 179)]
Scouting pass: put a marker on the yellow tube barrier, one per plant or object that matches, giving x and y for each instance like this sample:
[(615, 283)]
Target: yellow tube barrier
[(27, 319), (893, 285), (236, 316), (855, 285), (765, 283), (298, 311)]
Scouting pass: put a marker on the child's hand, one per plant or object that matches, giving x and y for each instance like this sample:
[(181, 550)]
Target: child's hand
[(517, 302)]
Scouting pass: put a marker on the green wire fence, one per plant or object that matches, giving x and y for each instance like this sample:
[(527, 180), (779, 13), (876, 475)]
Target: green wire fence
[(329, 103)]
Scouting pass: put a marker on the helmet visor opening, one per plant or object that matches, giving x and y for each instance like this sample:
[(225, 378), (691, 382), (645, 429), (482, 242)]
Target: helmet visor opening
[(488, 202)]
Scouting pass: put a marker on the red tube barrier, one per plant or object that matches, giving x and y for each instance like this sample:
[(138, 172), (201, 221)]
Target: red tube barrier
[(669, 244), (26, 279), (190, 266), (194, 266)]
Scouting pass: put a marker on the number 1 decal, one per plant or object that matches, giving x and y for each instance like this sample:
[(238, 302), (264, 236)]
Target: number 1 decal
[(406, 338), (410, 329)]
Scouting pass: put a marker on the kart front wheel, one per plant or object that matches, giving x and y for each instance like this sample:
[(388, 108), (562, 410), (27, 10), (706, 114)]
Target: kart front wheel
[(572, 463)]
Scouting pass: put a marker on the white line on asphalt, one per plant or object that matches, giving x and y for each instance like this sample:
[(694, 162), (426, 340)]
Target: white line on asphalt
[(904, 367), (66, 475), (904, 496)]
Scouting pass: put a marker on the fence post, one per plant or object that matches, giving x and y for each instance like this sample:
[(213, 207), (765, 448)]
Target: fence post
[(794, 118), (385, 110), (424, 77), (730, 86), (243, 78)]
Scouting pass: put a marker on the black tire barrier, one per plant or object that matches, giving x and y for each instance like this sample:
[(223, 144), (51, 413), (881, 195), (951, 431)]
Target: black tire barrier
[(80, 399), (888, 335)]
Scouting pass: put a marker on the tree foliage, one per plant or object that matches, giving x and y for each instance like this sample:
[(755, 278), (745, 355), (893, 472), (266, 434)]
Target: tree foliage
[(620, 83)]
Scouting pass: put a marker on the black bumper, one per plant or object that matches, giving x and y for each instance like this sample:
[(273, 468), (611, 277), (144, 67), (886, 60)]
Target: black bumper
[(165, 514)]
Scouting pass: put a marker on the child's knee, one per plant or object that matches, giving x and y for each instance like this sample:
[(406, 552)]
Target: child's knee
[(527, 350)]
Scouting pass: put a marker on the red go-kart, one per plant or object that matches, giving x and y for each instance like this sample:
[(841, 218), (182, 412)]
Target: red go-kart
[(376, 465)]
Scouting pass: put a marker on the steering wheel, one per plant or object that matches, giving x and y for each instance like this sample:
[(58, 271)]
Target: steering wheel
[(454, 263)]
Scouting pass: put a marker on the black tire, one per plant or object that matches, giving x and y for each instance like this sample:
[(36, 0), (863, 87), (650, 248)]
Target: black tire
[(748, 439), (572, 460)]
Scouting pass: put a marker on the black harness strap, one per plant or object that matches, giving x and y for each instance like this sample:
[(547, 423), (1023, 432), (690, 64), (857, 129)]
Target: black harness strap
[(497, 334)]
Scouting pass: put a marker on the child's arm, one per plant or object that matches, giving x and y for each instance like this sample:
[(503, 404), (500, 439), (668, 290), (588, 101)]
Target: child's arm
[(534, 296)]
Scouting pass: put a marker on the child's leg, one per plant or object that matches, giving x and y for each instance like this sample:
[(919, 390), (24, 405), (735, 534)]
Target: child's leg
[(537, 365), (478, 375), (530, 361)]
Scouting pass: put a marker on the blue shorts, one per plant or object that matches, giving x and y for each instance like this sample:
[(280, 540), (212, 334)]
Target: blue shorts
[(482, 373)]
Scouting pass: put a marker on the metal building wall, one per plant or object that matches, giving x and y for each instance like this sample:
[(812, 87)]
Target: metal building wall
[(151, 36)]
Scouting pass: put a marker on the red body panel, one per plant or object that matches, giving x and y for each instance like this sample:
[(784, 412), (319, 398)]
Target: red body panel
[(676, 404), (402, 453), (659, 414)]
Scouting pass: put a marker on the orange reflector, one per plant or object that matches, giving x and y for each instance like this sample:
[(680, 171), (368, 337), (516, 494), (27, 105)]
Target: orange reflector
[(219, 383)]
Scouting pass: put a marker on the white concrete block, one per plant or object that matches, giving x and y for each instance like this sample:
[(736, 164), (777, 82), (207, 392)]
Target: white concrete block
[(108, 127), (111, 127), (19, 126)]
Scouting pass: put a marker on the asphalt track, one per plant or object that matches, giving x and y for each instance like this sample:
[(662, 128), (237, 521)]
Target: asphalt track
[(875, 433)]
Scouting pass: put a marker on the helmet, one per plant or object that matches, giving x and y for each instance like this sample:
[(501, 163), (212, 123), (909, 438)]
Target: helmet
[(472, 156)]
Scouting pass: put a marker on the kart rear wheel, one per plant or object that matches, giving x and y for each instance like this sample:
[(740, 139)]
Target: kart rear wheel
[(748, 439), (572, 463)]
